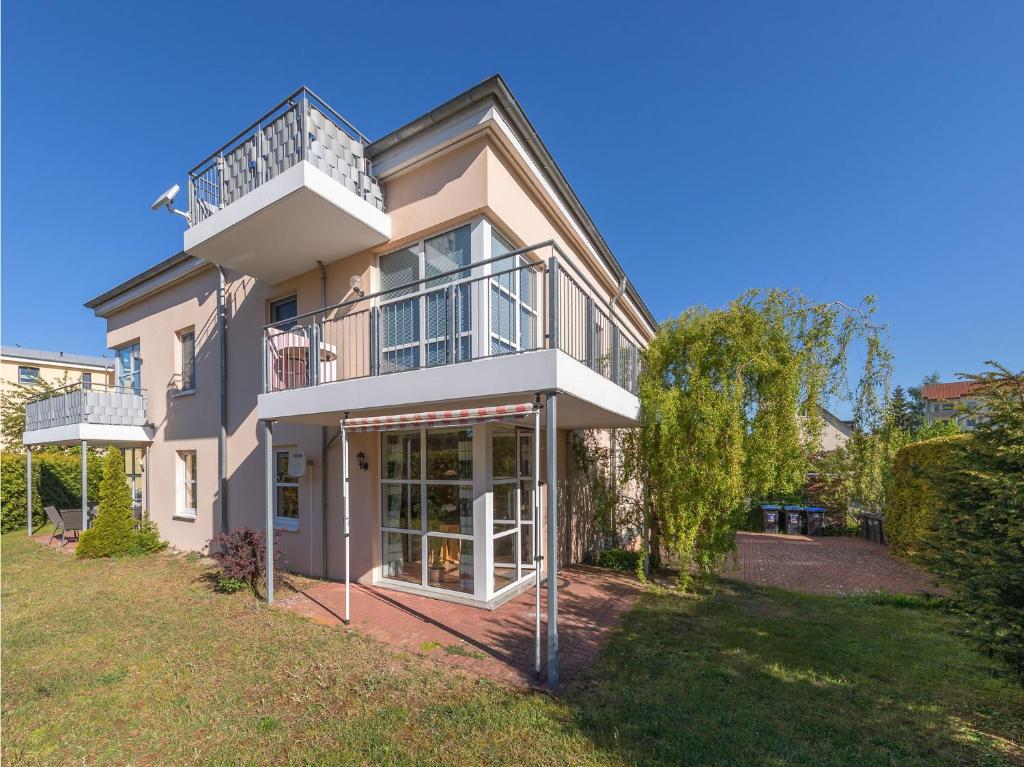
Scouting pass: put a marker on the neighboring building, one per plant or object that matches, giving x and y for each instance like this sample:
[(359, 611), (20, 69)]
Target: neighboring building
[(835, 432), (943, 401), (19, 365), (446, 268)]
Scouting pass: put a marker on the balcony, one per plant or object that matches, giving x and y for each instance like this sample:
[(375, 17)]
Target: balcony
[(524, 320), (293, 188), (88, 412)]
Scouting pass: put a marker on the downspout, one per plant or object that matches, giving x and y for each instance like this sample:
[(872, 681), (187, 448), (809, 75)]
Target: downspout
[(323, 443), (613, 452), (222, 442)]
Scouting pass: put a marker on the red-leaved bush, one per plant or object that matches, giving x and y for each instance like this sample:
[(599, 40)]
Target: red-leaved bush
[(241, 554)]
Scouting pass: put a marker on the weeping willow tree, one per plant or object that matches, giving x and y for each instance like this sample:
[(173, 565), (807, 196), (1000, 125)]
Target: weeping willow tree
[(730, 412)]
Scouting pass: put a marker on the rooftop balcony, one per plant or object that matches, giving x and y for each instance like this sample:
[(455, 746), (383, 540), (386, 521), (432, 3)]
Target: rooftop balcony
[(293, 188), (93, 412), (519, 320)]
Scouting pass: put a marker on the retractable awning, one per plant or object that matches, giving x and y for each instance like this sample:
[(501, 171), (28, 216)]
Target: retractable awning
[(458, 417)]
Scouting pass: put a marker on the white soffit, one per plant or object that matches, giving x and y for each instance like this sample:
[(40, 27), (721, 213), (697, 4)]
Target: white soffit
[(94, 433)]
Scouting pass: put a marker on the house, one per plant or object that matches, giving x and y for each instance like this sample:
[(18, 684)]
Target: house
[(378, 348), (835, 432), (19, 365), (943, 401)]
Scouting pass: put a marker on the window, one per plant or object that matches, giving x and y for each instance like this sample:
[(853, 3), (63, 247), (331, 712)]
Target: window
[(282, 310), (427, 503), (129, 367), (133, 469), (28, 375), (513, 298), (947, 406), (286, 494), (414, 322), (513, 533), (186, 360), (187, 484), (86, 380)]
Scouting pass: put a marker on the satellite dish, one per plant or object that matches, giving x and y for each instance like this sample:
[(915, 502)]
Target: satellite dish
[(355, 282), (166, 199), (296, 462)]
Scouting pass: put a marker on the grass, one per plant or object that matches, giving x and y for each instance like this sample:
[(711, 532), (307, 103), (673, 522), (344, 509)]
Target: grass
[(139, 662)]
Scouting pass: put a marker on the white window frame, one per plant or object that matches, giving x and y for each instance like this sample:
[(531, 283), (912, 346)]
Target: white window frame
[(134, 349), (183, 511), (520, 526), (513, 292), (87, 380), (179, 356), (28, 380), (291, 524), (420, 294), (425, 534)]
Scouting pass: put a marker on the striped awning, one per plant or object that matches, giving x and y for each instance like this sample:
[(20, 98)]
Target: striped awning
[(436, 418)]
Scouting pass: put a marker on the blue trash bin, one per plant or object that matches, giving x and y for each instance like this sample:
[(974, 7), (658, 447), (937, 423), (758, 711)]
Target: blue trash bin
[(770, 514), (793, 519)]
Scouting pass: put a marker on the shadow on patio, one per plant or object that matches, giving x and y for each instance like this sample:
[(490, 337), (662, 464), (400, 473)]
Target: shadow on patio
[(495, 643)]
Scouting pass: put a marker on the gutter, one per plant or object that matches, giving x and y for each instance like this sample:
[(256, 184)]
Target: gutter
[(324, 444), (222, 437)]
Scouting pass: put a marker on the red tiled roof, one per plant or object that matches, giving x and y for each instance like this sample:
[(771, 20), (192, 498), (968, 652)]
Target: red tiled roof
[(941, 391)]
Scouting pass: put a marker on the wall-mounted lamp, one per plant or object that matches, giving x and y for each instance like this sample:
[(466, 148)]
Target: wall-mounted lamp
[(355, 282), (361, 460)]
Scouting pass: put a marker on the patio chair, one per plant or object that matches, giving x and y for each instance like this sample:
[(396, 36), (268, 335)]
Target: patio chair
[(55, 519), (72, 523)]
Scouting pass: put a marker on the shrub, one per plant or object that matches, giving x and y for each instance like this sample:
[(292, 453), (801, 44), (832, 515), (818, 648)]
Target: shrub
[(914, 498), (619, 559), (113, 532), (147, 538), (228, 585), (56, 481), (978, 546), (241, 554)]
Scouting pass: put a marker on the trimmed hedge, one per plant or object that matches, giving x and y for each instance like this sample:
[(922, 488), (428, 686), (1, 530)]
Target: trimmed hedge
[(56, 481), (914, 497)]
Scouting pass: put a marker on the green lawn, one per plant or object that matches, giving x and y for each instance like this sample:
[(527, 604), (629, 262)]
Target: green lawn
[(137, 662)]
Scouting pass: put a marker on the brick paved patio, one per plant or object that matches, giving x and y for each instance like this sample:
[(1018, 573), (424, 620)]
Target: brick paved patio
[(44, 538), (824, 565), (495, 643)]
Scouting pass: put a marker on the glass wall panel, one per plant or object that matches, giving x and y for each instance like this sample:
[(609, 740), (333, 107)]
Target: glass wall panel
[(451, 564), (450, 509), (401, 506), (505, 552), (450, 454), (402, 557), (526, 533), (446, 252), (503, 454), (401, 455), (504, 506)]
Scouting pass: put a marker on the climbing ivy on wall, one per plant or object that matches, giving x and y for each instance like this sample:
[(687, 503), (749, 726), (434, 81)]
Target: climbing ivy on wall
[(729, 412)]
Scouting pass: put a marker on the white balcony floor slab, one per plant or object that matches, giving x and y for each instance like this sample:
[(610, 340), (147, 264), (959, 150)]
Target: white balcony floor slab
[(592, 400), (93, 433), (284, 226)]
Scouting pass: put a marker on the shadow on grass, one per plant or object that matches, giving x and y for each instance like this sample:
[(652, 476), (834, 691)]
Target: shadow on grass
[(739, 675)]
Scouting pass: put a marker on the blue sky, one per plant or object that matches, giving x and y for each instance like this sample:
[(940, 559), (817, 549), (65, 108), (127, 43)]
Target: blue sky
[(838, 148)]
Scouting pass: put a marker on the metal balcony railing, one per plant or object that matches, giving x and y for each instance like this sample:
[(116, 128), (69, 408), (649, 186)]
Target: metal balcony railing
[(96, 403), (302, 127), (509, 304)]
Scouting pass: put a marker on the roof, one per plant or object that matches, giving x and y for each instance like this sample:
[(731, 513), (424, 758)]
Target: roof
[(493, 87), (496, 87), (60, 358), (942, 391), (138, 279), (839, 424)]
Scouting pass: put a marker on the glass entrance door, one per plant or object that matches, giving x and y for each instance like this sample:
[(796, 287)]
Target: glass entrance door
[(513, 520)]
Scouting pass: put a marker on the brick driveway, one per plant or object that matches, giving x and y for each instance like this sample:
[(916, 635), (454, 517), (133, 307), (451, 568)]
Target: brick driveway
[(495, 643), (824, 565)]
